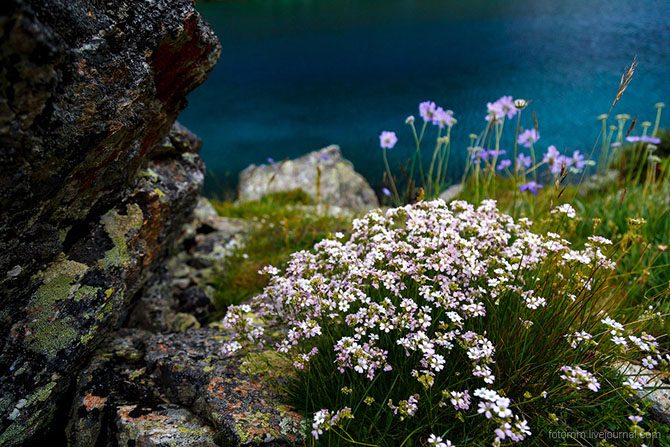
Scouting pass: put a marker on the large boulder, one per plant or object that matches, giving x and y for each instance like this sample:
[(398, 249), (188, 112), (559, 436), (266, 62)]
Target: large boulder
[(324, 174), (97, 179)]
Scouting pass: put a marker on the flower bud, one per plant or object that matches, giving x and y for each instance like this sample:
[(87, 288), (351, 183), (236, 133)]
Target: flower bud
[(520, 103)]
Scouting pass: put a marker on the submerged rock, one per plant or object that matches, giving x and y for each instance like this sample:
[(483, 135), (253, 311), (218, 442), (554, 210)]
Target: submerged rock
[(324, 175)]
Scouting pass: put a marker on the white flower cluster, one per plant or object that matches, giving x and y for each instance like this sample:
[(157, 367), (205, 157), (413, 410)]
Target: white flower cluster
[(579, 377), (325, 420), (418, 274), (496, 407)]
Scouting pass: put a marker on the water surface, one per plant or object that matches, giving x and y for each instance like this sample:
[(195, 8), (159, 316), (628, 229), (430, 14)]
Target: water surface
[(296, 75)]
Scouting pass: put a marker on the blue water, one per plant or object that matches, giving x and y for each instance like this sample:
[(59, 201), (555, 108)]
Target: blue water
[(296, 75)]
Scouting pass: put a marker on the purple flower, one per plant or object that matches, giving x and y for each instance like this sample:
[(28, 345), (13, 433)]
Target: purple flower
[(528, 137), (271, 160), (442, 118), (387, 139), (523, 161), (532, 186), (478, 153), (386, 192), (324, 157), (496, 153), (503, 107), (554, 159), (644, 139), (504, 164), (427, 110), (577, 161), (651, 140)]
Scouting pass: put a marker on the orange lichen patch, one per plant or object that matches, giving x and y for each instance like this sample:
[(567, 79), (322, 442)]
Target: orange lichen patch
[(244, 389), (215, 387), (124, 414), (93, 402)]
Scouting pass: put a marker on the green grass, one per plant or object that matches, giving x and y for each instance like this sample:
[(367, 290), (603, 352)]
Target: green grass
[(284, 223), (634, 215)]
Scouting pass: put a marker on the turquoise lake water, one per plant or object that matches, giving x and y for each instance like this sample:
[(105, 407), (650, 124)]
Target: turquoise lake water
[(296, 75)]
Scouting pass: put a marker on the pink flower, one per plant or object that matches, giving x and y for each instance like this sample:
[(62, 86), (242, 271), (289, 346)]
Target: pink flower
[(528, 137), (427, 110), (443, 118), (387, 139), (503, 107)]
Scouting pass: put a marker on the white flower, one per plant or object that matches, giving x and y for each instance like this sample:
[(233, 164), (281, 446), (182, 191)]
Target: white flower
[(565, 209), (633, 384), (437, 441), (612, 323)]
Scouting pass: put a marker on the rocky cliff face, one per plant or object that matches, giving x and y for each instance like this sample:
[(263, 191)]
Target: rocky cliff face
[(97, 180)]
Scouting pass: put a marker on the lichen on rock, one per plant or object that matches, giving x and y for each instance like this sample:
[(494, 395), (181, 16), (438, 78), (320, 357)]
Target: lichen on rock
[(89, 94)]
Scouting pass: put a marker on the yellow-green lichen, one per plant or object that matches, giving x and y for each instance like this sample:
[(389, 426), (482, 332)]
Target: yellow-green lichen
[(118, 228), (150, 174), (41, 394), (45, 333), (86, 292), (136, 374), (23, 429), (265, 363), (50, 337), (160, 194), (90, 335), (183, 321), (105, 311), (255, 427)]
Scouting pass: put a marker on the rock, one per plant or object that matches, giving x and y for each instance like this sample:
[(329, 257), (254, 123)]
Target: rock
[(181, 296), (116, 376), (451, 192), (599, 182), (227, 392), (324, 175), (655, 391), (165, 426), (140, 385), (97, 179)]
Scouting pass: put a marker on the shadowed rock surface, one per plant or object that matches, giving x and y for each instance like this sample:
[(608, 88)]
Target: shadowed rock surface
[(237, 401), (324, 175), (167, 368), (97, 179)]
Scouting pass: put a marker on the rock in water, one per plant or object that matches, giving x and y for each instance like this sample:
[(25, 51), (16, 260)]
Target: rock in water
[(324, 175), (96, 181)]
